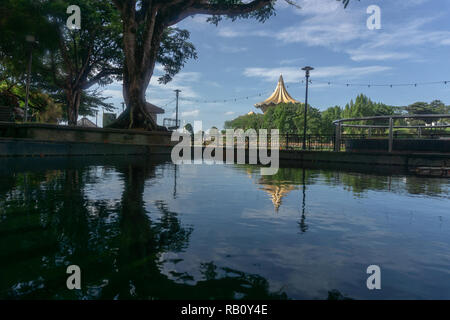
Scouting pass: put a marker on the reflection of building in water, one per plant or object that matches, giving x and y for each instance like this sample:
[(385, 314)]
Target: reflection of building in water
[(277, 192)]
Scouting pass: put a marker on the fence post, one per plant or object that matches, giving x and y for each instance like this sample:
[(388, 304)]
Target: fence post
[(391, 133), (337, 144)]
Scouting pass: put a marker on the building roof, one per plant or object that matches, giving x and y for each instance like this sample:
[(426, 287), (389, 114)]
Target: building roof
[(276, 190), (277, 193), (280, 95), (85, 122), (151, 108)]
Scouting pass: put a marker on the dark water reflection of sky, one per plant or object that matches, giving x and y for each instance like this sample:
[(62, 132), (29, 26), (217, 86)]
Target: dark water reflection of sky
[(154, 230)]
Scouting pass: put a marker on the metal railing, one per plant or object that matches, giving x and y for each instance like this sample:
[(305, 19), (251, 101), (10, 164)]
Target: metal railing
[(422, 131), (171, 124), (338, 141), (286, 141)]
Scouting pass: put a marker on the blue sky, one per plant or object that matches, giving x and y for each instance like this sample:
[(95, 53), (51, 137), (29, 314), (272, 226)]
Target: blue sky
[(245, 58)]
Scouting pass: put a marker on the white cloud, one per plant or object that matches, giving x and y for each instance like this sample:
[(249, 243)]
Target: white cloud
[(232, 49), (290, 61), (191, 113), (181, 81), (325, 23), (365, 55), (187, 114), (319, 34), (392, 43), (228, 32), (229, 113), (292, 74), (410, 3), (243, 31), (113, 93)]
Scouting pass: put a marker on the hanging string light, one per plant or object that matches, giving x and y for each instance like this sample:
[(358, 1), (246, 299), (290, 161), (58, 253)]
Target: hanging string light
[(235, 99), (391, 85), (172, 101), (329, 83)]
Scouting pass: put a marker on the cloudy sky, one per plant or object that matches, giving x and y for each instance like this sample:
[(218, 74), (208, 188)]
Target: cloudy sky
[(245, 58)]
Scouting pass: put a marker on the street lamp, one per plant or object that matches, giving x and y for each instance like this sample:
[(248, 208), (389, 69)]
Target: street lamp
[(307, 69), (176, 116), (32, 41)]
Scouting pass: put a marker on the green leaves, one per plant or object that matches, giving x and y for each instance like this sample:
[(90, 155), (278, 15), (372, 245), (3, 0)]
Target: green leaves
[(174, 51), (435, 107), (288, 118)]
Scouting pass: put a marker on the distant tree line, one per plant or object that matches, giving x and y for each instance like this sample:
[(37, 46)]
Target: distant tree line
[(288, 118)]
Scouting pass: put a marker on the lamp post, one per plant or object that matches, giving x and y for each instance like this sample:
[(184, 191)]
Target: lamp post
[(32, 41), (307, 69), (176, 116)]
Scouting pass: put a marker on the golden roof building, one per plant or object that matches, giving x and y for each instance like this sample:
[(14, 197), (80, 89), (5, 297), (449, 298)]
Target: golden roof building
[(280, 95), (276, 190), (277, 193)]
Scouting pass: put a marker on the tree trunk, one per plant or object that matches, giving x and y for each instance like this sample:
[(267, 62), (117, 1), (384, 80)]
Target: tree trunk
[(140, 59), (135, 115), (73, 106)]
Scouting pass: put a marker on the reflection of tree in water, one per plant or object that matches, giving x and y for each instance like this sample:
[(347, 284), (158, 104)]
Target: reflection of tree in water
[(141, 244), (44, 224), (49, 223), (359, 183), (337, 295)]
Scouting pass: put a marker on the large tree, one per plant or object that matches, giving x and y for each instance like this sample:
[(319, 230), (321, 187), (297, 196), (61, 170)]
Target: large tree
[(83, 59), (72, 64), (144, 25), (66, 63)]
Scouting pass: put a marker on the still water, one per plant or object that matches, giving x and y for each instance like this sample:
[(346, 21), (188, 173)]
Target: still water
[(143, 229)]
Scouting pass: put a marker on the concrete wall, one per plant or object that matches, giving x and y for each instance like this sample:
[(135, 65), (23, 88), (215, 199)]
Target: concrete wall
[(382, 158), (45, 132), (51, 140), (46, 140), (36, 148), (399, 145), (403, 160)]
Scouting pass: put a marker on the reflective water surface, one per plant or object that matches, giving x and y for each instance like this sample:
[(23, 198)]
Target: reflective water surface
[(147, 229)]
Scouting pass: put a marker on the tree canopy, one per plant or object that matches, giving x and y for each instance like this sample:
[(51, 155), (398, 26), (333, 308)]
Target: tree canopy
[(288, 118), (71, 65), (144, 24)]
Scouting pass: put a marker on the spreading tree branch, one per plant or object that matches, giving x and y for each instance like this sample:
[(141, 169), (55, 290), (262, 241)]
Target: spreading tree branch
[(205, 7)]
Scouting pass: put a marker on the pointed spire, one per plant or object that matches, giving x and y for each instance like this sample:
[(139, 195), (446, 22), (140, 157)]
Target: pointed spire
[(280, 95)]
